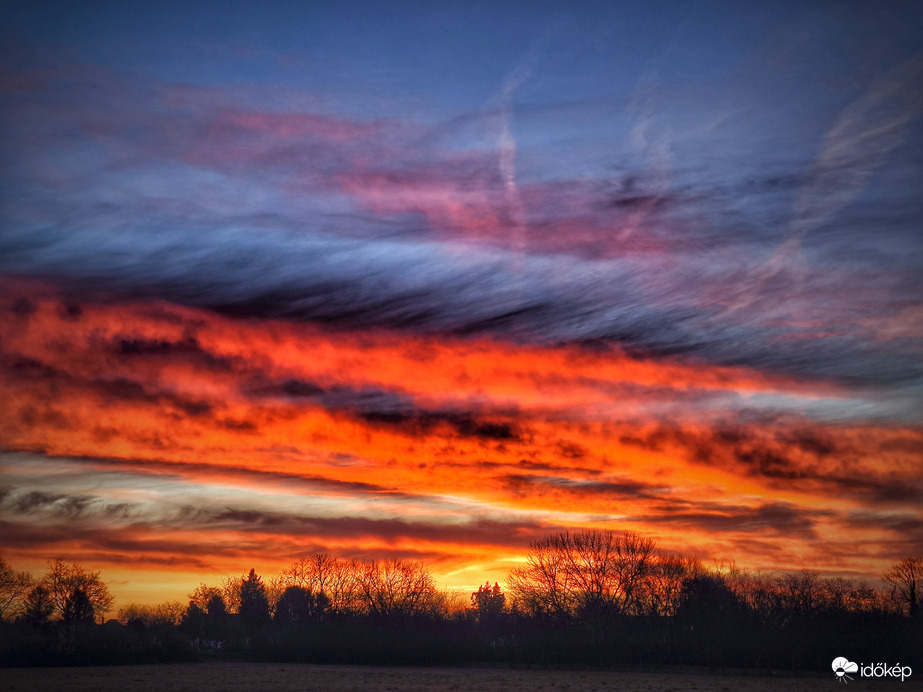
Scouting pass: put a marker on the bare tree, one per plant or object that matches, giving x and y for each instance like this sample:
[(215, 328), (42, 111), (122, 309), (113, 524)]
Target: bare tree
[(589, 572), (799, 593), (843, 595), (315, 572), (167, 613), (230, 591), (396, 587), (63, 578), (202, 594), (14, 588), (906, 581), (298, 574), (322, 573), (634, 555), (275, 587), (544, 585), (664, 583)]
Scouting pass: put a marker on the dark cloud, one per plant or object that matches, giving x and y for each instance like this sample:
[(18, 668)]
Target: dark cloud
[(390, 409), (525, 485), (776, 463), (70, 311), (571, 450), (29, 372), (362, 401), (902, 523), (125, 527), (117, 545), (778, 518), (33, 369), (817, 460), (769, 464), (241, 426), (58, 506), (538, 466), (660, 436), (300, 388), (23, 307), (126, 390), (172, 470), (290, 389), (481, 531), (188, 349), (462, 424)]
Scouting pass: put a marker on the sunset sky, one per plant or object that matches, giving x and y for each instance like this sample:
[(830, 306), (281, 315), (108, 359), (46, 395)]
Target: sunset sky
[(433, 280)]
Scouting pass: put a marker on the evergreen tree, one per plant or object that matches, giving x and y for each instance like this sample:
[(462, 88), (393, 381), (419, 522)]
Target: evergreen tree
[(254, 606), (78, 608), (38, 606), (216, 618), (194, 620)]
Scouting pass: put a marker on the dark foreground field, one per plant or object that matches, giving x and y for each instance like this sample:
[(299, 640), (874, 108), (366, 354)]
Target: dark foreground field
[(247, 677)]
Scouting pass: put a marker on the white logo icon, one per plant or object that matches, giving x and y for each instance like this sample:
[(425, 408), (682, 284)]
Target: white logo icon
[(841, 666)]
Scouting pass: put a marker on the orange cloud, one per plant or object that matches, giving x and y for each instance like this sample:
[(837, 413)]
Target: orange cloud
[(533, 436)]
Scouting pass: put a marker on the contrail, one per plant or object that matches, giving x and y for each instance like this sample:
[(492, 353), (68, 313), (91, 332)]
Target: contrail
[(866, 131), (507, 151), (653, 144)]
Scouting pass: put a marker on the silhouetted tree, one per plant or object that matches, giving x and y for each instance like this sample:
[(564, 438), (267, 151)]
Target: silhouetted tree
[(397, 588), (544, 587), (710, 616), (707, 603), (166, 614), (216, 618), (231, 591), (194, 621), (254, 606), (38, 606), (906, 581), (663, 586), (588, 573), (215, 607), (298, 606), (799, 594), (14, 587), (322, 573), (63, 578), (312, 573), (204, 593), (487, 602), (78, 609)]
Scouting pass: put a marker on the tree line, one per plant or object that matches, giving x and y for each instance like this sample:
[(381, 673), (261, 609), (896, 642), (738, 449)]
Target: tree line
[(588, 597)]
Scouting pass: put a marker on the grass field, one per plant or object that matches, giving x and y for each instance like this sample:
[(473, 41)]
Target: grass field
[(248, 677)]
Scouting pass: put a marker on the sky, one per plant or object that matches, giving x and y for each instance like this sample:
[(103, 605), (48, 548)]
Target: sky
[(431, 281)]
